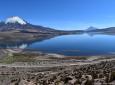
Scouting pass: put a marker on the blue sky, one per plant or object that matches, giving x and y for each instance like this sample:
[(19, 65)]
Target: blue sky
[(62, 14)]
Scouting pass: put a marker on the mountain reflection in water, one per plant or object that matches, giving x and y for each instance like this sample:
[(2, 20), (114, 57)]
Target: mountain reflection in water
[(72, 45)]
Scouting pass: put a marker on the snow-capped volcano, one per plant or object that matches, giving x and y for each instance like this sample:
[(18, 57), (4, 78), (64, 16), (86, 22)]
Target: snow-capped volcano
[(17, 23), (15, 19), (91, 28)]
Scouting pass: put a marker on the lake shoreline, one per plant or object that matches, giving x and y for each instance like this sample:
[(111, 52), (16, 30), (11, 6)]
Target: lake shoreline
[(86, 44), (49, 69), (32, 58)]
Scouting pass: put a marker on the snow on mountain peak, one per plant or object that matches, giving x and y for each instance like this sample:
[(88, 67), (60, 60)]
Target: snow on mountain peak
[(91, 28), (15, 19)]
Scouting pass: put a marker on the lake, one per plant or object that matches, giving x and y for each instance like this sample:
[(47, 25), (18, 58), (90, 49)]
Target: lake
[(76, 45)]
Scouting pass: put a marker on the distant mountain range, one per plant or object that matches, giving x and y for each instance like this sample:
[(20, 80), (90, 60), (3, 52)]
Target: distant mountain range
[(102, 30), (106, 30), (17, 24)]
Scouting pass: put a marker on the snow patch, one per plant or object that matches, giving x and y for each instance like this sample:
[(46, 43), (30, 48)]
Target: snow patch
[(15, 19)]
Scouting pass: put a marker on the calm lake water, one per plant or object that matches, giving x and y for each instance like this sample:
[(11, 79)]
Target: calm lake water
[(76, 45)]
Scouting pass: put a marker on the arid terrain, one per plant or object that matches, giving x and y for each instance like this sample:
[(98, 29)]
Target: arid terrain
[(27, 67), (57, 42)]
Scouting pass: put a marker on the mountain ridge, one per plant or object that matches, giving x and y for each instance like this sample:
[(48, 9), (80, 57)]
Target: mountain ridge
[(17, 24)]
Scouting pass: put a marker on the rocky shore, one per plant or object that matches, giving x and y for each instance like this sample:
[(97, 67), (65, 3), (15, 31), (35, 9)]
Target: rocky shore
[(20, 67), (102, 73)]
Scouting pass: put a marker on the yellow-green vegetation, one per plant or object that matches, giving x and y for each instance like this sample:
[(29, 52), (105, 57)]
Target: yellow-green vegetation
[(113, 76), (18, 57)]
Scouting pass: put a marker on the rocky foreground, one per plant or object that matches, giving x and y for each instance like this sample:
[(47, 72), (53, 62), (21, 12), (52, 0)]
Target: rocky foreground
[(102, 73), (25, 68)]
